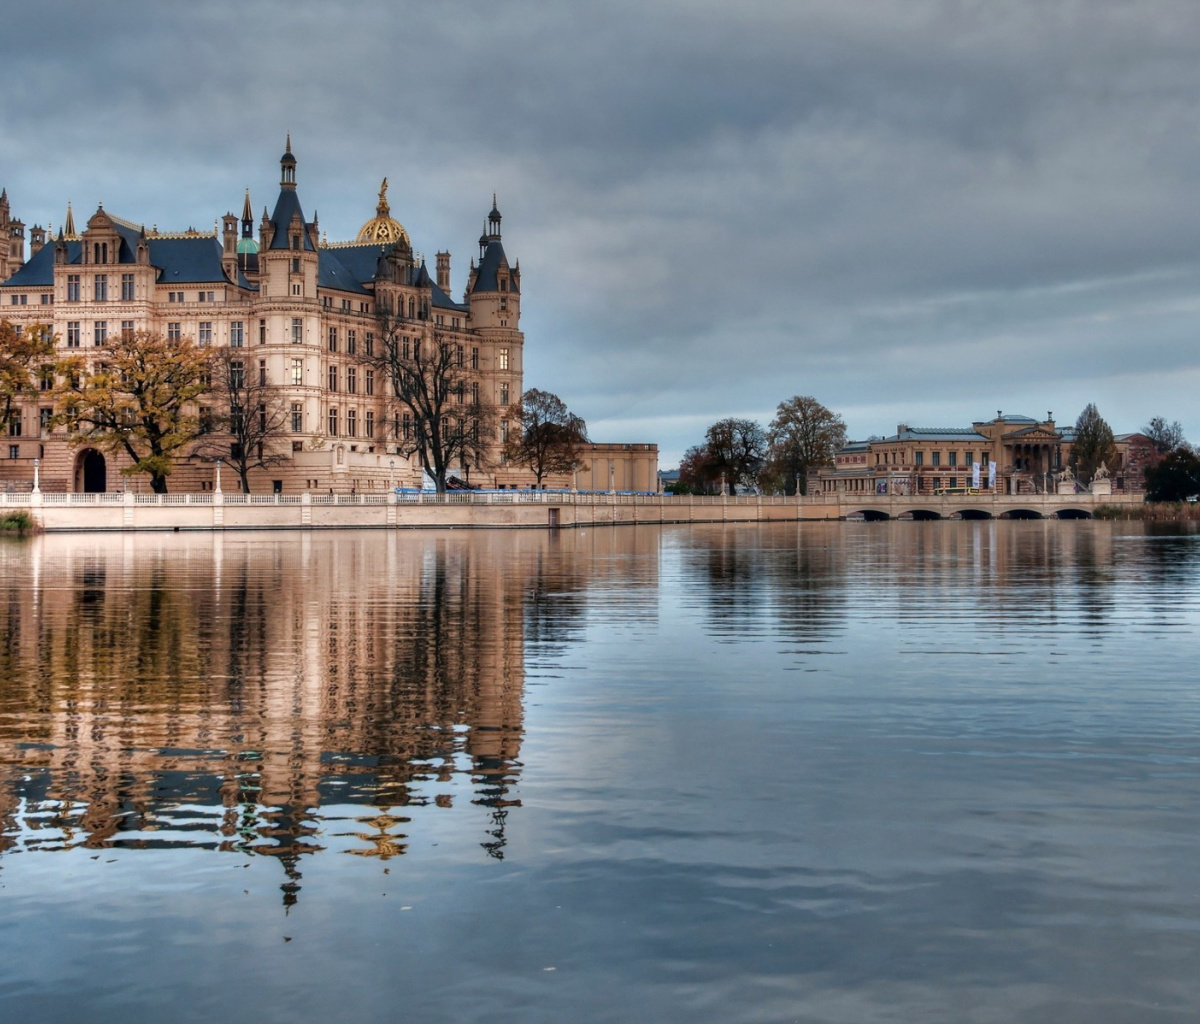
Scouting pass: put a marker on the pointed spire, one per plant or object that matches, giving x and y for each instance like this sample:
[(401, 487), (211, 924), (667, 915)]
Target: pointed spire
[(247, 213), (70, 225), (288, 148)]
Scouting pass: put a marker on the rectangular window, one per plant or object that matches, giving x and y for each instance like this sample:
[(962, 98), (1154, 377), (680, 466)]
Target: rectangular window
[(262, 332), (14, 451), (351, 381), (333, 339), (475, 358), (333, 422), (407, 427), (46, 415), (502, 359), (458, 355), (919, 459), (72, 287), (47, 298), (333, 376), (297, 371), (14, 424), (953, 460), (345, 305), (369, 382), (236, 335), (295, 266), (351, 342), (204, 296), (99, 332), (237, 375), (297, 330), (72, 334), (369, 343), (126, 287), (204, 337), (969, 458), (297, 417), (937, 458), (474, 392), (296, 289), (262, 373), (504, 431), (100, 289), (404, 349), (262, 420), (504, 393), (126, 328), (174, 331), (46, 378), (369, 424), (351, 423)]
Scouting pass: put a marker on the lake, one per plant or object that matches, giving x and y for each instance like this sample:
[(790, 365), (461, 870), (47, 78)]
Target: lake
[(817, 772)]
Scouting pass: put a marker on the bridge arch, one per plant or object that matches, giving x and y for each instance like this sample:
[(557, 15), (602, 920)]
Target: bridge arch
[(925, 514), (1021, 513), (1073, 513), (870, 515), (974, 513)]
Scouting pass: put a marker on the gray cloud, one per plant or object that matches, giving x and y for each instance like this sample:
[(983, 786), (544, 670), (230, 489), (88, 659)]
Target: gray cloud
[(915, 210)]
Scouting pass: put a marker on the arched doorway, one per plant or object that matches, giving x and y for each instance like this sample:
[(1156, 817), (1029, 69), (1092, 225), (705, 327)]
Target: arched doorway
[(91, 472)]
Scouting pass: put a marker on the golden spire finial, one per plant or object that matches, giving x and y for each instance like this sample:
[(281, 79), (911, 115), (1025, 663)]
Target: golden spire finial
[(69, 228), (383, 210)]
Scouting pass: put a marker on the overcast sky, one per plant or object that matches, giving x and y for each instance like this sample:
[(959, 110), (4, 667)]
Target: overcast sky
[(915, 211)]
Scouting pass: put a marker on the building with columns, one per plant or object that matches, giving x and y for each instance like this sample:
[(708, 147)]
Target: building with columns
[(1015, 455), (303, 314)]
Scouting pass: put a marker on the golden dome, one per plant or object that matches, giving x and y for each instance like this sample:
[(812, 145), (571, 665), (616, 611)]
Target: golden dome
[(382, 227)]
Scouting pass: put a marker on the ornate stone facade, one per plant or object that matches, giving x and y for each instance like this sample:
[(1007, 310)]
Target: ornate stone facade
[(303, 310), (1030, 457)]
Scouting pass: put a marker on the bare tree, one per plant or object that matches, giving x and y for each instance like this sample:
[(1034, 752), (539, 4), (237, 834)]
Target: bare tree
[(249, 427), (737, 449), (1165, 437), (551, 438), (437, 415), (803, 435)]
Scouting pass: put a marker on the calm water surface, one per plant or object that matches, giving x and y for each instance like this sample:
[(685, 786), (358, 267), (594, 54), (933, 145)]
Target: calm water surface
[(828, 773)]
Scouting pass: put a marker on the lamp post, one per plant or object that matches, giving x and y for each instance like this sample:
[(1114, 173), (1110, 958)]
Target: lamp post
[(391, 474), (217, 485)]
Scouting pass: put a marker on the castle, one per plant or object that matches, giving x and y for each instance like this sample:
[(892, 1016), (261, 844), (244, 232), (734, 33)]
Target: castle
[(306, 312)]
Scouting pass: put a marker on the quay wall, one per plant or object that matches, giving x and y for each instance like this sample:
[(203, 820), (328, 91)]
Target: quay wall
[(513, 510)]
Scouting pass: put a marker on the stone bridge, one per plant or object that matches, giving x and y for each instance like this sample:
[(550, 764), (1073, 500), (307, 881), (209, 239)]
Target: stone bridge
[(960, 506)]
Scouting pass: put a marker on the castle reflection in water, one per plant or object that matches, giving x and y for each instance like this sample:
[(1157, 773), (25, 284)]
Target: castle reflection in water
[(296, 694), (241, 694)]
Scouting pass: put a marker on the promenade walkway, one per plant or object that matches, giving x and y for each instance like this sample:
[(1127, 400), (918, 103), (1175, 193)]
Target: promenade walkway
[(513, 509)]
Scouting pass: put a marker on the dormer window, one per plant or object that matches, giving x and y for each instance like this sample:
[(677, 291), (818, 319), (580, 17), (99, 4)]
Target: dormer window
[(504, 284), (295, 241), (99, 252)]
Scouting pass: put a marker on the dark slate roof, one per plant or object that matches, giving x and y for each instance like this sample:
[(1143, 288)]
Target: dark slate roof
[(332, 271), (350, 267), (937, 434), (1014, 419), (39, 271), (179, 261), (443, 301), (187, 260), (286, 207), (489, 266)]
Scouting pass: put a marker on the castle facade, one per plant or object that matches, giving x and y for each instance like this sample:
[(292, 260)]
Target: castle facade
[(297, 312)]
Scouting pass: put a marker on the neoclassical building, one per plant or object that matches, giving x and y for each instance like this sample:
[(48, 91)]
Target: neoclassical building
[(303, 313), (1010, 454)]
